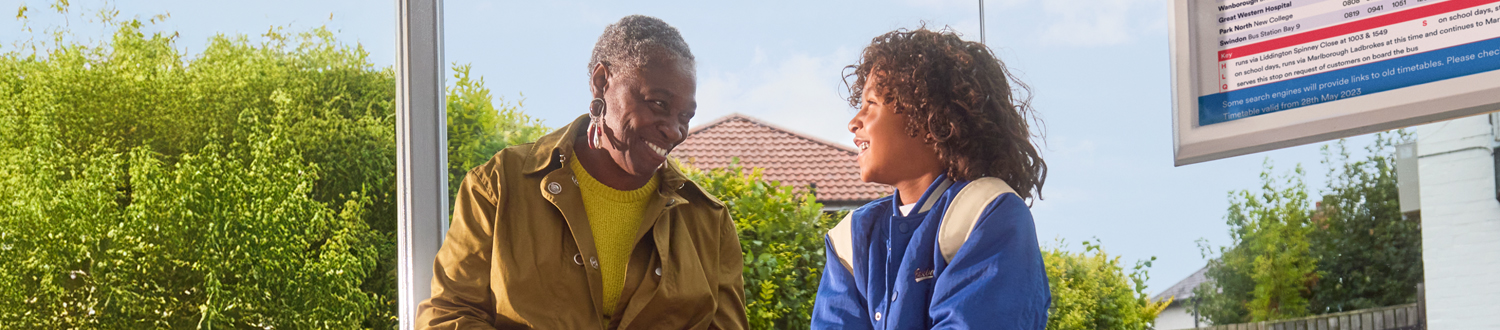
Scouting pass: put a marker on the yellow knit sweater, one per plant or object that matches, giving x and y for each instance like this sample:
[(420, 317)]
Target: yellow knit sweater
[(614, 216)]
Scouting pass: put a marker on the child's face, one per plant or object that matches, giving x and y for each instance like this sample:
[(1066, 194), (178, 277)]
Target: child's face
[(886, 153)]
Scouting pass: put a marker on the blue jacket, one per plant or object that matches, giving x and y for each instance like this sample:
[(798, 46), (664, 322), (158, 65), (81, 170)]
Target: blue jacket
[(900, 279)]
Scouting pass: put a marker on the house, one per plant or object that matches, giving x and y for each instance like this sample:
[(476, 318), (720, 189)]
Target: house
[(828, 169), (1177, 316)]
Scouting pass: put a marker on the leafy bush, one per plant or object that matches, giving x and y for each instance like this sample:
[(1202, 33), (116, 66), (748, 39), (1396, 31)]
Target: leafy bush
[(1267, 270), (477, 127), (1090, 290), (250, 186), (1354, 250), (781, 233), (1369, 255), (228, 235)]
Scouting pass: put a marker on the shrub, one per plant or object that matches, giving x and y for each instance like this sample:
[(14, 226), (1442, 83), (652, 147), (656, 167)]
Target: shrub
[(228, 235), (1354, 250), (1091, 290), (1369, 254), (1268, 270), (477, 127), (250, 186), (781, 233)]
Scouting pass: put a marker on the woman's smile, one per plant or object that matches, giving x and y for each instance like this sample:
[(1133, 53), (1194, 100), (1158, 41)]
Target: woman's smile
[(655, 154)]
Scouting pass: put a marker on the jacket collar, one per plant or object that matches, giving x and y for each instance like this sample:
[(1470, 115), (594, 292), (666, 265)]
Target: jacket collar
[(551, 151), (929, 198)]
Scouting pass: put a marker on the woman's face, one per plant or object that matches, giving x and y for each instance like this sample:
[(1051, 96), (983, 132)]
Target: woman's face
[(887, 154), (646, 114)]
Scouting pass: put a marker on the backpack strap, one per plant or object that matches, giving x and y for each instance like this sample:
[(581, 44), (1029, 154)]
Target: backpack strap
[(964, 212), (843, 242)]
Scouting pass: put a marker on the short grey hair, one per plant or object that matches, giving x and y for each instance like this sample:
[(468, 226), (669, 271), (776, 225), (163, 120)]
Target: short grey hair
[(633, 42)]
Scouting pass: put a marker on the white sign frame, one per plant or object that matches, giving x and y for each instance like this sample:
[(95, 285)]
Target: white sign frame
[(1195, 20)]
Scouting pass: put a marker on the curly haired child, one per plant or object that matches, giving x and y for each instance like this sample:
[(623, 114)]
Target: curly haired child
[(943, 121)]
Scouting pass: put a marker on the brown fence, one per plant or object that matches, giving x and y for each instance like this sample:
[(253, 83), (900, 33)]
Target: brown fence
[(1399, 317)]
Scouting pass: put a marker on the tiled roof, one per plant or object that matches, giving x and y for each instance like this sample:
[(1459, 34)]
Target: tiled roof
[(1183, 289), (784, 155)]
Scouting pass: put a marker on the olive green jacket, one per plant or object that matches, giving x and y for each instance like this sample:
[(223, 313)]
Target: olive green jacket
[(519, 253)]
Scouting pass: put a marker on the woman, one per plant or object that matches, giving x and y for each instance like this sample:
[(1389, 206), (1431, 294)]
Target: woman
[(955, 247), (590, 227)]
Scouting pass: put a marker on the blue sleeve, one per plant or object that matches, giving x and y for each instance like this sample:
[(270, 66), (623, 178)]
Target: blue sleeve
[(996, 279), (839, 304)]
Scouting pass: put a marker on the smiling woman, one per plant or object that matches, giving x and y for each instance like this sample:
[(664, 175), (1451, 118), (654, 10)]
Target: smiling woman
[(590, 226), (643, 70)]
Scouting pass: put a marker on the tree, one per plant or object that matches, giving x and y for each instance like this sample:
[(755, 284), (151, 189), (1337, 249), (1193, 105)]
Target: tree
[(1364, 252), (478, 126), (1090, 290), (1267, 272), (1369, 255), (781, 234)]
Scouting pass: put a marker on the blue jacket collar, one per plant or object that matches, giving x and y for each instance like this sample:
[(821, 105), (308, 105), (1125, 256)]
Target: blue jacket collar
[(929, 198)]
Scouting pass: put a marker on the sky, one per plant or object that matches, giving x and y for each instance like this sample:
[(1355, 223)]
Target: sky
[(1098, 71)]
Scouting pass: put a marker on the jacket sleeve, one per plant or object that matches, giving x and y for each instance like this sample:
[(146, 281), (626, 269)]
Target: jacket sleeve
[(996, 280), (839, 304), (730, 293), (461, 297)]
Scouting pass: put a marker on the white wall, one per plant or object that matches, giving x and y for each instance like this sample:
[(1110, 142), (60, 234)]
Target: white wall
[(1175, 317), (1460, 223)]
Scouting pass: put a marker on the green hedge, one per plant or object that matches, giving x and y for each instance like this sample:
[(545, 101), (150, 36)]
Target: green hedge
[(247, 187), (781, 233), (1091, 290)]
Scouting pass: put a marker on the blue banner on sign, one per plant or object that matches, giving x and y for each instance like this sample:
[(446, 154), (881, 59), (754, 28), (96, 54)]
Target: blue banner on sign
[(1365, 79)]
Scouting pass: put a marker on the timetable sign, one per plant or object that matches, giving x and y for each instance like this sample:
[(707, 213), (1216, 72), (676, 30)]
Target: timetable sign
[(1258, 75), (1281, 55)]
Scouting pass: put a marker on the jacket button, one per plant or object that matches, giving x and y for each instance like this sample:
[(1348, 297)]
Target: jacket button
[(877, 316), (578, 259), (554, 188), (893, 295), (594, 261), (658, 271)]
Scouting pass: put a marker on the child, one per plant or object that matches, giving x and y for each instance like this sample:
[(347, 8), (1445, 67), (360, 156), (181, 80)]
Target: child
[(955, 246)]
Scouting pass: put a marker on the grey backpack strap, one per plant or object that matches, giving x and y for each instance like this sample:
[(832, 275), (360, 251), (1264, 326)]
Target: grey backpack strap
[(964, 211), (843, 242)]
